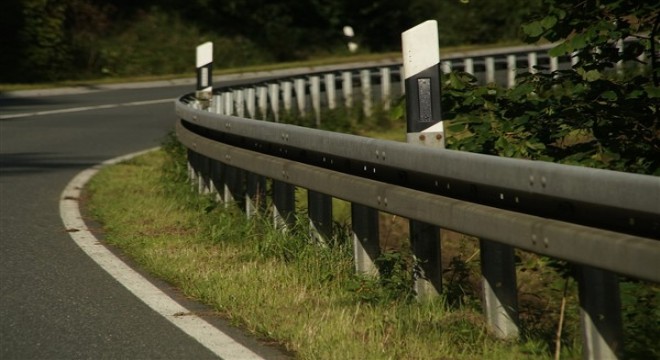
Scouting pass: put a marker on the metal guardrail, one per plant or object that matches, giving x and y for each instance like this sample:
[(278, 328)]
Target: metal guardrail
[(605, 222), (451, 175)]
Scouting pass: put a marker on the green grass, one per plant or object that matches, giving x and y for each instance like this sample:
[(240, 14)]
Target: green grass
[(279, 286)]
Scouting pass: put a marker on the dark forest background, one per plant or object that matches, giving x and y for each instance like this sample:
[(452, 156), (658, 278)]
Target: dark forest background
[(50, 40)]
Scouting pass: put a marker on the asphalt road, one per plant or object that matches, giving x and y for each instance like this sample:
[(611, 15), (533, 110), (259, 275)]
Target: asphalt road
[(56, 303)]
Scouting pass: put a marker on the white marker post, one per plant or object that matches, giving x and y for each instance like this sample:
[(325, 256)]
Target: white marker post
[(421, 64), (204, 91), (421, 59)]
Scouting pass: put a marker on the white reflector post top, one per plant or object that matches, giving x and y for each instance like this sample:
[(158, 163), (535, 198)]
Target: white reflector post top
[(421, 67), (421, 49), (204, 66)]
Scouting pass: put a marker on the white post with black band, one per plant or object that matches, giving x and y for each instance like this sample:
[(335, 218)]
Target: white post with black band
[(204, 64), (421, 67)]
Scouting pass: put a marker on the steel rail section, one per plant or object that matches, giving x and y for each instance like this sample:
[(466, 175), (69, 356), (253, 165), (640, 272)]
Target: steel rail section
[(628, 192), (395, 64), (617, 252)]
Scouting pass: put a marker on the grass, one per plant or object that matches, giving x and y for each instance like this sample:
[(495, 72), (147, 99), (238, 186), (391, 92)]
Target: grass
[(279, 286)]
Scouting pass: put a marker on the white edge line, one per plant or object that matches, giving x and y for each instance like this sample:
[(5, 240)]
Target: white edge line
[(85, 108), (210, 337)]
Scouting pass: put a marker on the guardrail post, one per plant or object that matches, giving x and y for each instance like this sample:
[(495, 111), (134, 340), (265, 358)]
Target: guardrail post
[(365, 84), (385, 88), (331, 91), (262, 101), (192, 176), (600, 313), (255, 194), (284, 204), (315, 90), (554, 64), (287, 95), (575, 58), (445, 66), (619, 64), (490, 69), (498, 282), (217, 105), (319, 208), (511, 69), (229, 103), (250, 103), (421, 56), (218, 180), (347, 88), (274, 94), (203, 172), (204, 62), (468, 65), (239, 100), (192, 168), (366, 238), (211, 168), (234, 184), (532, 62), (299, 85)]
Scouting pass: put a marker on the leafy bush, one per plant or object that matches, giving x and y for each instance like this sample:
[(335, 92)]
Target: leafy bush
[(50, 54), (589, 115), (158, 43)]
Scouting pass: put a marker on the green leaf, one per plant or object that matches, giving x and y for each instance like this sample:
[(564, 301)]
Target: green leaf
[(560, 13), (455, 128), (533, 29), (397, 112), (549, 22), (579, 41), (591, 75), (455, 81), (652, 91), (521, 91), (609, 95), (535, 146), (559, 50), (635, 94)]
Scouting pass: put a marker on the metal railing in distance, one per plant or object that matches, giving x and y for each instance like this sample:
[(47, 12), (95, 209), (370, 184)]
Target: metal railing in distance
[(606, 223)]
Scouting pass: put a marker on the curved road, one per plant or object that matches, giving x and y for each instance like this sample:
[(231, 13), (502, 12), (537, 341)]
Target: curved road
[(55, 302)]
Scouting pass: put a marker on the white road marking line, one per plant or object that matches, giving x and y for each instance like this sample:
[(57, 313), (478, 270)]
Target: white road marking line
[(210, 337), (85, 108)]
